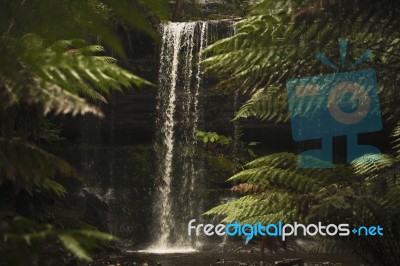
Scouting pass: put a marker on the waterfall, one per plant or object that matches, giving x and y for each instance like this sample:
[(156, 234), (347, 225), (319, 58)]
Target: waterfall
[(179, 115)]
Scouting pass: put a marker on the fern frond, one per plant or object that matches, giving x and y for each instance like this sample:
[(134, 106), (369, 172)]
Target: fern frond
[(371, 164), (53, 186), (267, 104), (273, 45), (57, 76), (70, 243), (25, 233), (26, 164), (270, 176), (249, 209)]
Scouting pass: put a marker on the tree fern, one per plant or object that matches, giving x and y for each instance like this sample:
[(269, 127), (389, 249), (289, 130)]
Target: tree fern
[(278, 41), (50, 63), (59, 75), (268, 105)]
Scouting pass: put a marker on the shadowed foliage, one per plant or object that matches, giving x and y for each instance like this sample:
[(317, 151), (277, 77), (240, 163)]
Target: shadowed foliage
[(54, 60), (278, 41)]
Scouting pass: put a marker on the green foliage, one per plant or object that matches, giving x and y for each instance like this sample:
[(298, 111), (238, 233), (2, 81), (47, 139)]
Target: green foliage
[(54, 187), (275, 189), (50, 132), (24, 242), (47, 59), (55, 77), (51, 64), (38, 69), (278, 41), (26, 165), (218, 166), (270, 105), (71, 19), (212, 137)]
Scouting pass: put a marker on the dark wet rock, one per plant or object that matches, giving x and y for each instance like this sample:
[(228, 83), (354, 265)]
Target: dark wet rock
[(291, 262), (219, 262), (225, 259), (323, 264)]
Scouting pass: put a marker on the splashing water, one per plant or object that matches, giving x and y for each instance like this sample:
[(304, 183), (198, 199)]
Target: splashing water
[(179, 113)]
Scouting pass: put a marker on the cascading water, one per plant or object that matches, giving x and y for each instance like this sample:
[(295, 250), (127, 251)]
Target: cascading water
[(179, 113)]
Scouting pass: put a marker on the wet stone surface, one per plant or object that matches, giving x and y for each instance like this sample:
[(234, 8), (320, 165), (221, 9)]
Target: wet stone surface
[(216, 259)]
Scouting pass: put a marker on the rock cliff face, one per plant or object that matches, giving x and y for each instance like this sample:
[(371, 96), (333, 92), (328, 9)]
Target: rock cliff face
[(130, 116)]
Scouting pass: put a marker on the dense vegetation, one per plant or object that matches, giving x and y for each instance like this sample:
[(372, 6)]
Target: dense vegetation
[(53, 62), (278, 41)]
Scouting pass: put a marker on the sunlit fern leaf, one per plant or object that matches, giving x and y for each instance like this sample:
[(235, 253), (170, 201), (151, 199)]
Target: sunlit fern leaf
[(70, 243), (53, 186), (58, 101), (90, 50), (270, 176), (396, 139), (371, 164), (289, 161), (266, 105), (291, 41), (283, 160), (274, 205), (212, 137), (59, 75), (95, 234)]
